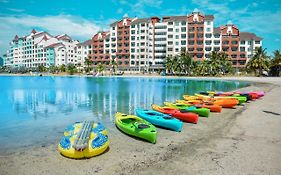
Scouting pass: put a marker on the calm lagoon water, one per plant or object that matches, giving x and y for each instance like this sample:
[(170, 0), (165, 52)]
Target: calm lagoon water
[(35, 110)]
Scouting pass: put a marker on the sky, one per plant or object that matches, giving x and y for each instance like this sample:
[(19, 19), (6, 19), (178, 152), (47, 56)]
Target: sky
[(81, 19)]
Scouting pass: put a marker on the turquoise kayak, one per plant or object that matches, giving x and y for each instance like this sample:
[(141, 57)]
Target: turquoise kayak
[(160, 119)]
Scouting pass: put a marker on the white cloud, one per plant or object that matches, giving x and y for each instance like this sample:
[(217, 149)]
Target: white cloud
[(138, 8), (76, 27), (15, 10)]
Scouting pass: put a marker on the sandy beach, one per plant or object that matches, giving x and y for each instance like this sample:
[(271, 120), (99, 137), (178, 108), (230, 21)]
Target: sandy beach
[(245, 140)]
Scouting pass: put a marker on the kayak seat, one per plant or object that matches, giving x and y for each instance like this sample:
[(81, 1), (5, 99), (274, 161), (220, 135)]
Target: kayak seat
[(150, 113), (167, 117), (142, 126)]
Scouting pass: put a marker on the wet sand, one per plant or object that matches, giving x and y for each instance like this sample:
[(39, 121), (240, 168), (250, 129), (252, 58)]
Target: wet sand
[(245, 140)]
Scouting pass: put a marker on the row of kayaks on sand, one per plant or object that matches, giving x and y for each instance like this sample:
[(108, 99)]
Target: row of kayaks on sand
[(88, 139)]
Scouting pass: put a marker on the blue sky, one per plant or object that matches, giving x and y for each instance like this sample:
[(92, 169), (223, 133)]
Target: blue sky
[(83, 18)]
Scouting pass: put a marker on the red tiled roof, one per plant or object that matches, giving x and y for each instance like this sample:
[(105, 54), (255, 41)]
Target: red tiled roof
[(249, 36), (54, 45), (33, 31)]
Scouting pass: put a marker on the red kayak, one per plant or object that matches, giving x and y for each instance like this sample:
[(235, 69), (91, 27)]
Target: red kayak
[(185, 117)]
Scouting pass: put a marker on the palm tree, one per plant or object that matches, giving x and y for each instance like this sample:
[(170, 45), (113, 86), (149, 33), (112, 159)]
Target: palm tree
[(226, 63), (186, 62), (169, 64), (62, 68), (71, 68), (53, 69), (100, 67), (275, 64), (41, 68), (202, 68), (88, 62), (113, 65), (258, 62)]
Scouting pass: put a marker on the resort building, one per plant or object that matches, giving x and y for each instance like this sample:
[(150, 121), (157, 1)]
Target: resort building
[(138, 44), (83, 51), (41, 48), (141, 43)]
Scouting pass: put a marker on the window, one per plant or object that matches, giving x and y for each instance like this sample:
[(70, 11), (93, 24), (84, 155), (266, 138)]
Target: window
[(208, 48), (208, 35), (170, 49), (177, 36), (183, 29), (170, 36), (242, 42), (170, 23), (217, 35), (191, 36), (183, 36), (208, 22), (225, 42), (170, 29), (177, 43), (208, 42), (250, 42), (217, 42), (234, 49), (242, 49), (183, 23), (216, 49), (190, 42), (234, 42), (133, 32), (257, 42), (199, 42), (113, 28), (177, 30), (170, 42), (177, 23), (183, 42)]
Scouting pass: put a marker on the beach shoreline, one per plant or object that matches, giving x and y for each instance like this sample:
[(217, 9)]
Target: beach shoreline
[(226, 143)]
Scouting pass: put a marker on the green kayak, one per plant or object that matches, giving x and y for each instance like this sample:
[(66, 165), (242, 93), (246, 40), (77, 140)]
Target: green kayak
[(204, 112), (135, 126), (241, 99)]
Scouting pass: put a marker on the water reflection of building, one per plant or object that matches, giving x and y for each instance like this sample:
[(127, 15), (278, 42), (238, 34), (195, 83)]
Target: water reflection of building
[(102, 97)]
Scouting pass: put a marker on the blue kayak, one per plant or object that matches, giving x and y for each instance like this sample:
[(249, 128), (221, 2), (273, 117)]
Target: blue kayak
[(160, 119)]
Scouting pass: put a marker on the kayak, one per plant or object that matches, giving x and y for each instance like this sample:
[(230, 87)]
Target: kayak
[(84, 140), (230, 94), (212, 107), (160, 119), (239, 98), (135, 126), (183, 116), (254, 94), (225, 103), (204, 112)]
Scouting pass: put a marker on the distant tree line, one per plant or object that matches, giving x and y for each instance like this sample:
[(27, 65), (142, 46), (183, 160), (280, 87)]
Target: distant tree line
[(217, 64)]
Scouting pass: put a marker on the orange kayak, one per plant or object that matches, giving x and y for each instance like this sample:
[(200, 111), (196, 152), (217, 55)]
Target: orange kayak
[(183, 116), (225, 103), (200, 104)]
